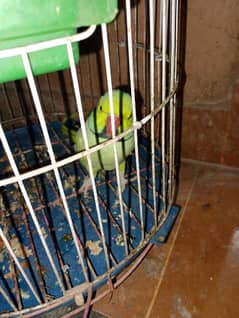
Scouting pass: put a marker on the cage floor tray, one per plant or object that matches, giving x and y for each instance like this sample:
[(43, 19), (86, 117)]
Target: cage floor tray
[(30, 152)]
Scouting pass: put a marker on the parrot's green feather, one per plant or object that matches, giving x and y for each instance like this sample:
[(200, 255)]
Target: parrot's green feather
[(96, 129)]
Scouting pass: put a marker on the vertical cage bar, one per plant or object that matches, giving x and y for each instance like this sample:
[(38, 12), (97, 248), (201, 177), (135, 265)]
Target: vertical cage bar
[(159, 64), (117, 49), (136, 26), (160, 50), (177, 8), (109, 84), (172, 105), (145, 88), (86, 144), (174, 15), (152, 135), (175, 76), (163, 126), (132, 87), (38, 107)]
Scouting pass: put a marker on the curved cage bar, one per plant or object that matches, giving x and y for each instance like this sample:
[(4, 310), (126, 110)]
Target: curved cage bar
[(58, 242)]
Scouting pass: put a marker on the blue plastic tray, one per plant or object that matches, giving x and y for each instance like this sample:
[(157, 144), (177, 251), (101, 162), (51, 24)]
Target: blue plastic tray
[(29, 151)]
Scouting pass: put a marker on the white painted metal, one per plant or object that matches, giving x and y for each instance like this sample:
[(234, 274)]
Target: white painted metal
[(109, 84), (132, 87)]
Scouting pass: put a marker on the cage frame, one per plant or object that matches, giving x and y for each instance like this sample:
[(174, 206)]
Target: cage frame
[(163, 224)]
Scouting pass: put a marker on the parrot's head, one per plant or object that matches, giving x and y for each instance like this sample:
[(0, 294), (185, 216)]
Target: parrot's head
[(123, 118)]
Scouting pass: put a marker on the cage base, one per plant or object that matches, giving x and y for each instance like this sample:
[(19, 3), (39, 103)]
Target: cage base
[(29, 151)]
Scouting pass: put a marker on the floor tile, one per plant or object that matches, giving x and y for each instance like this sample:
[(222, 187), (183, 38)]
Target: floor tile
[(196, 273), (202, 276), (132, 298)]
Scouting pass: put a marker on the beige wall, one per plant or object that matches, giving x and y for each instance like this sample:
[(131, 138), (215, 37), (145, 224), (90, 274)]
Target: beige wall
[(211, 102), (210, 121)]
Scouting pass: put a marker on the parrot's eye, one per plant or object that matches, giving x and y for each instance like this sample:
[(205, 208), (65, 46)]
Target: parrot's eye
[(101, 108)]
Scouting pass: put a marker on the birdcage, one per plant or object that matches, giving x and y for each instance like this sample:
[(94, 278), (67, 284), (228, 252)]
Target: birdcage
[(59, 242)]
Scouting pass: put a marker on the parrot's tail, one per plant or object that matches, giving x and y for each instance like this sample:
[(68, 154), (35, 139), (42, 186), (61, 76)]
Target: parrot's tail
[(70, 126)]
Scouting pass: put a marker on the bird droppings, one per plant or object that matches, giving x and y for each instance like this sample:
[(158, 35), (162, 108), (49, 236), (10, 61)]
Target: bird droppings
[(235, 241), (116, 203), (152, 267), (119, 240), (69, 182), (65, 268), (24, 294), (19, 249), (67, 238), (181, 308), (43, 230), (94, 247)]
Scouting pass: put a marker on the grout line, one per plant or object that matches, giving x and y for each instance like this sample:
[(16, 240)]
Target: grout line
[(148, 313), (210, 164)]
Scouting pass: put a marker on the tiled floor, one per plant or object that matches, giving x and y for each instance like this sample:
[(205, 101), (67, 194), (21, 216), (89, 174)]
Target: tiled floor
[(196, 274)]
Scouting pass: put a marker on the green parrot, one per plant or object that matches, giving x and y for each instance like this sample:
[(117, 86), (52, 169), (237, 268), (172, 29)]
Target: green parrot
[(99, 129)]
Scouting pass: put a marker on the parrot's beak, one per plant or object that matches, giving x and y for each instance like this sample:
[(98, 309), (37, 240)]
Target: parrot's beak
[(109, 126)]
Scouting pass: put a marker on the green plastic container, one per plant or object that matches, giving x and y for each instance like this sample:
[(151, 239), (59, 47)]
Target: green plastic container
[(30, 21)]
